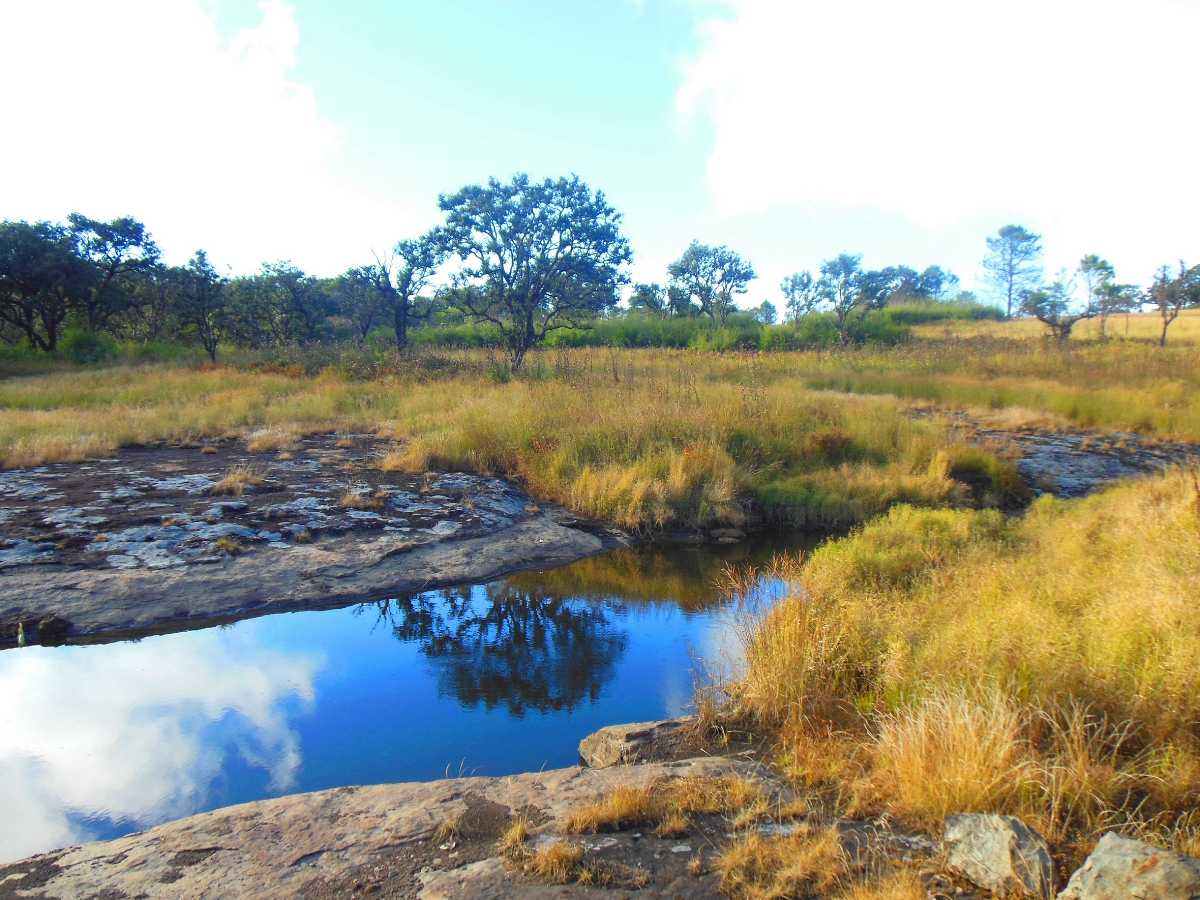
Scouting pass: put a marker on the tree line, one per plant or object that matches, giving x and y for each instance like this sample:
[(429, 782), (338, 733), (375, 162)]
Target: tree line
[(528, 258)]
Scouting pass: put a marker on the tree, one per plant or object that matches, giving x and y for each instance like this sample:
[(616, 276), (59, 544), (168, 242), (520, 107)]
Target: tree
[(403, 274), (1054, 307), (116, 249), (1173, 295), (149, 314), (711, 276), (766, 313), (299, 303), (801, 294), (840, 286), (539, 256), (359, 299), (202, 303), (1013, 264), (649, 299), (935, 283), (881, 286), (41, 277)]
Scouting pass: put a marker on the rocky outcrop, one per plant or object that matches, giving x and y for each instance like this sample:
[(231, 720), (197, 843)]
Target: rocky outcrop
[(637, 742), (1000, 854), (430, 839), (1124, 869), (139, 543)]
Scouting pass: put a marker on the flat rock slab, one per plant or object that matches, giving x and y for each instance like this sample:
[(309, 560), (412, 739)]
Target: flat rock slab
[(140, 543), (1073, 463), (380, 840)]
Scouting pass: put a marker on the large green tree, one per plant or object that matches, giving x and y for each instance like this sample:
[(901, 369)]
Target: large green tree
[(535, 256), (711, 277), (1013, 263), (118, 250), (41, 280)]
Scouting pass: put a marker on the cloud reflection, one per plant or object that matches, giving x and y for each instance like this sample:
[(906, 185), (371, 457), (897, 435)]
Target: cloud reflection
[(138, 732)]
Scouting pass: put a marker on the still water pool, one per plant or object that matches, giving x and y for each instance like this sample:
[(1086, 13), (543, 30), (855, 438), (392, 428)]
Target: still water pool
[(98, 741)]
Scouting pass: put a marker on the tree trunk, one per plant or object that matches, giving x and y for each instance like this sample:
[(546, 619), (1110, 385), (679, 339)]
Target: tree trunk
[(400, 326), (1162, 340)]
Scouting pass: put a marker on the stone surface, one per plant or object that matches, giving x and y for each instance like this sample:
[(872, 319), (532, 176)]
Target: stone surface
[(1000, 854), (1124, 869), (375, 840), (637, 742), (137, 544)]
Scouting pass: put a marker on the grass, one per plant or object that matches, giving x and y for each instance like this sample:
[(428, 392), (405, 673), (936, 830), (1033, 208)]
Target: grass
[(672, 439), (1047, 666), (235, 481)]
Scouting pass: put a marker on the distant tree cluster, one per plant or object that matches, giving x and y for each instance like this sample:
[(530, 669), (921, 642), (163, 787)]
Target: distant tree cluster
[(1013, 266), (525, 259)]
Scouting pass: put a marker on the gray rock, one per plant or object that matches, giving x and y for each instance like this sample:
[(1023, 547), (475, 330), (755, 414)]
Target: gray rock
[(999, 853), (1124, 869), (635, 742), (25, 553)]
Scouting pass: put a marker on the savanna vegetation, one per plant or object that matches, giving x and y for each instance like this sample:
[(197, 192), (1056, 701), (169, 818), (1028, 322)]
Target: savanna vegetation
[(946, 655)]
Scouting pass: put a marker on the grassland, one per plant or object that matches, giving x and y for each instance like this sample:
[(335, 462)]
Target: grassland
[(651, 439), (1046, 665)]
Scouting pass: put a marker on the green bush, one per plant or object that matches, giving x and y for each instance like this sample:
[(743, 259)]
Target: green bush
[(83, 347)]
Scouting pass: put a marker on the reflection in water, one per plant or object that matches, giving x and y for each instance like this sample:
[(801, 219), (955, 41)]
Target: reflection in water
[(97, 741), (499, 644), (136, 732)]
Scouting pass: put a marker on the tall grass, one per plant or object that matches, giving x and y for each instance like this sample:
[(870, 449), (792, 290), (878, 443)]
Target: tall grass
[(641, 439), (1046, 665)]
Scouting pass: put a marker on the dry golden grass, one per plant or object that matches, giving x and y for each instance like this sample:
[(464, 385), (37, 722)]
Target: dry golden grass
[(668, 804), (902, 885), (512, 842), (1046, 666), (352, 499), (229, 545), (673, 825), (799, 865), (682, 439), (236, 480), (273, 438), (449, 829), (558, 863)]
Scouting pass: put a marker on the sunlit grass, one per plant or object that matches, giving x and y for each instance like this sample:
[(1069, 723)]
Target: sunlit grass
[(676, 439), (1046, 666)]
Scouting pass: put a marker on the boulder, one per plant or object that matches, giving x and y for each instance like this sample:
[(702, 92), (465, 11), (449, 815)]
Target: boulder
[(635, 742), (1124, 869), (999, 853)]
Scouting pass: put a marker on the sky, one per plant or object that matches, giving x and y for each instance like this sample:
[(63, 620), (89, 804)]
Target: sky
[(322, 132)]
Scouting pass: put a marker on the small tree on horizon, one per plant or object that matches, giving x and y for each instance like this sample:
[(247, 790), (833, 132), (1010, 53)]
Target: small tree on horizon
[(801, 295), (711, 277), (841, 287), (1013, 264), (535, 256), (1170, 296), (202, 303), (1052, 305)]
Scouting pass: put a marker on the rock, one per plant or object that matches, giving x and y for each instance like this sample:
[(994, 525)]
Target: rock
[(635, 742), (727, 535), (999, 853), (1124, 869), (52, 629), (347, 841)]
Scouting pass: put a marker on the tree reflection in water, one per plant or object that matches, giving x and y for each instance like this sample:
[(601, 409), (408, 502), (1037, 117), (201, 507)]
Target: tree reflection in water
[(501, 645)]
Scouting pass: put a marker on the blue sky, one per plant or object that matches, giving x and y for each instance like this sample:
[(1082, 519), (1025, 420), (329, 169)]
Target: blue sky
[(791, 131)]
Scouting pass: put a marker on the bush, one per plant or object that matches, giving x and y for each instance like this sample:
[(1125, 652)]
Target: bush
[(83, 347)]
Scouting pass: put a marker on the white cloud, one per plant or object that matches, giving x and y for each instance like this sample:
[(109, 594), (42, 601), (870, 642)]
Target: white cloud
[(124, 732), (142, 107), (1074, 117)]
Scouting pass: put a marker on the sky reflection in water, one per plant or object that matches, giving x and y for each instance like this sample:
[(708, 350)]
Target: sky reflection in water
[(98, 741)]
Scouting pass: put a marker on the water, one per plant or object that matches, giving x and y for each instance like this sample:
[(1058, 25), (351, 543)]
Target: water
[(98, 741)]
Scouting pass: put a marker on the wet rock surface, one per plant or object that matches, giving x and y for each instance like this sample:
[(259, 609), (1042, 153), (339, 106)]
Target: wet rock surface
[(1074, 463), (150, 537)]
